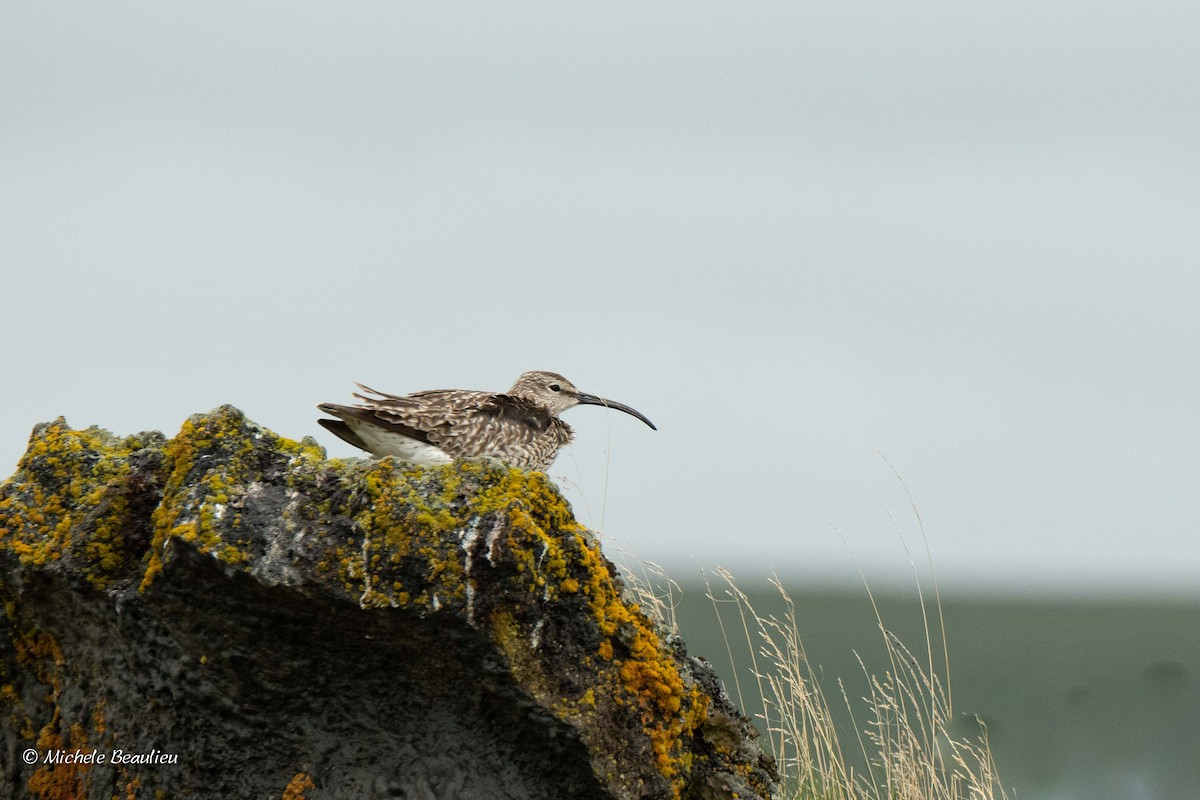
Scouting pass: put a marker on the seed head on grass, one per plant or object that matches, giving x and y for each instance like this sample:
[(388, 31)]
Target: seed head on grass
[(904, 738)]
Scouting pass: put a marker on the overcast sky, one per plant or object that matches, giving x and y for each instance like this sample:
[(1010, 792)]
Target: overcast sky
[(795, 235)]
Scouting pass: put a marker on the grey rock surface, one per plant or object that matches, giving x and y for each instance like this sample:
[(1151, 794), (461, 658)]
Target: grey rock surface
[(228, 614)]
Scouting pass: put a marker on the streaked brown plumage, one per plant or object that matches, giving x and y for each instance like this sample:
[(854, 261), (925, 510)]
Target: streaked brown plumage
[(520, 427)]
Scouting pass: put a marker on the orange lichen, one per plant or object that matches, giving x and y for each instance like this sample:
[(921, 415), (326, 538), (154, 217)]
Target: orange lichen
[(64, 780), (300, 783), (408, 537), (556, 557), (553, 557)]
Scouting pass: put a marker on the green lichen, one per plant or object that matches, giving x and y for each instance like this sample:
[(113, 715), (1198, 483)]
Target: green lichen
[(414, 522)]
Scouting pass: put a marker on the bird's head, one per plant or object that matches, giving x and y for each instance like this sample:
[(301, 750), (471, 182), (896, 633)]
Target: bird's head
[(556, 394)]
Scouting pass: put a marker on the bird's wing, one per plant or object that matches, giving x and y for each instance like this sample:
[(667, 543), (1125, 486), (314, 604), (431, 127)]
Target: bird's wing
[(460, 423), (510, 412), (374, 413), (479, 422)]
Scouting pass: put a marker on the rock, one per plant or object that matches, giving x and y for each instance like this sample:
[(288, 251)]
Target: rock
[(229, 614)]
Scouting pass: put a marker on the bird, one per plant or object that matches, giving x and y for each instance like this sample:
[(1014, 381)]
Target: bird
[(520, 427)]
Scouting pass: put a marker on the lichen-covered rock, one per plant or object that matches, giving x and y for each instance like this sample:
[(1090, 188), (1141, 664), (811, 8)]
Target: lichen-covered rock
[(229, 614)]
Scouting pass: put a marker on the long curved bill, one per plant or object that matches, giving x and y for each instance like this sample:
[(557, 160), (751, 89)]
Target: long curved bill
[(593, 400)]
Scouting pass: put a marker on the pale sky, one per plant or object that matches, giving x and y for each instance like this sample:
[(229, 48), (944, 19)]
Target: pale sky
[(794, 235)]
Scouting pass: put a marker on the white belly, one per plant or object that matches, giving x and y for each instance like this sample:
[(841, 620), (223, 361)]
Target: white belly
[(386, 443)]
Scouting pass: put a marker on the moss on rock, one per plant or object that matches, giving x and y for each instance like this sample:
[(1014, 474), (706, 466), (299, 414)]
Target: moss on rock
[(469, 569)]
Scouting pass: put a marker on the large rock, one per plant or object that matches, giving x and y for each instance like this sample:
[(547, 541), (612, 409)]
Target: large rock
[(229, 614)]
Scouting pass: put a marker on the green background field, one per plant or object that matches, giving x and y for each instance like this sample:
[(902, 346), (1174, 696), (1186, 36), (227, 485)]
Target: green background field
[(1082, 698)]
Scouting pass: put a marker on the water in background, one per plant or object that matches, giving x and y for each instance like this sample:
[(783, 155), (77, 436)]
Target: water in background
[(1082, 699)]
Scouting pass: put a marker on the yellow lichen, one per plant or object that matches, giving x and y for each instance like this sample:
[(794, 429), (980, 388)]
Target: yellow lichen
[(198, 488), (69, 494), (416, 534), (555, 557)]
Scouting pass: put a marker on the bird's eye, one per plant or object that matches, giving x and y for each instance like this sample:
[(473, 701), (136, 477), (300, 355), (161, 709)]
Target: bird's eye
[(554, 387)]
